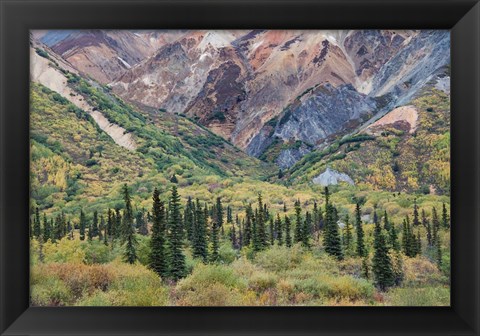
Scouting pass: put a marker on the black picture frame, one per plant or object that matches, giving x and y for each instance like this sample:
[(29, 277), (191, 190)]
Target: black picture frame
[(17, 17)]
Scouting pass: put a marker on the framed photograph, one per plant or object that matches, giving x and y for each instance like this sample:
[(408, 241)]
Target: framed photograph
[(232, 167)]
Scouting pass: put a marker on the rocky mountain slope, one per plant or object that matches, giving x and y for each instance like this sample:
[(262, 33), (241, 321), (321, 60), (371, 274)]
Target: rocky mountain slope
[(281, 96)]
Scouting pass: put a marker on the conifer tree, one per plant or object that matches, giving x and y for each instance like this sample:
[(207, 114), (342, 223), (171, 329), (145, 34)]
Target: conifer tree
[(247, 230), (331, 236), (438, 251), (82, 225), (200, 234), (278, 230), (288, 232), (229, 214), (69, 230), (158, 260), (316, 217), (117, 227), (360, 248), (95, 224), (127, 219), (233, 236), (416, 221), (271, 231), (110, 223), (393, 238), (426, 224), (419, 243), (386, 222), (177, 266), (47, 229), (348, 235), (37, 230), (445, 219), (260, 234), (307, 228), (141, 223), (217, 222), (382, 265), (240, 231), (90, 232), (298, 223), (101, 228), (435, 220), (188, 218)]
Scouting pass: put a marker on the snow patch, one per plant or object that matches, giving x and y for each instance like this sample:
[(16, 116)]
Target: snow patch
[(128, 66)]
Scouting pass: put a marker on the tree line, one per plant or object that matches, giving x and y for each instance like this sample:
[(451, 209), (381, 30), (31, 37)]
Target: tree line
[(201, 226)]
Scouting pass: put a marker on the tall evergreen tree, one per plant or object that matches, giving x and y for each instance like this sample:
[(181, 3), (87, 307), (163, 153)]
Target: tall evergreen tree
[(348, 236), (278, 230), (188, 218), (141, 223), (229, 214), (386, 222), (128, 229), (382, 265), (200, 233), (426, 224), (95, 224), (393, 238), (260, 224), (445, 218), (117, 227), (247, 229), (158, 260), (110, 222), (298, 237), (177, 266), (101, 228), (47, 229), (361, 250), (271, 230), (416, 221), (307, 229), (288, 232), (331, 236), (82, 225), (127, 219), (37, 230)]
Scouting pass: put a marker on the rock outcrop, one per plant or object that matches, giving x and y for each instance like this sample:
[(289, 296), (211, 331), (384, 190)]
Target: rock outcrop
[(332, 177)]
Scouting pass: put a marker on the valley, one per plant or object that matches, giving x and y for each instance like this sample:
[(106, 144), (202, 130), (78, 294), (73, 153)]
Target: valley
[(333, 132)]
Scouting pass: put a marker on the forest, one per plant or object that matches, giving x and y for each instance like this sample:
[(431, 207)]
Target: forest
[(195, 253)]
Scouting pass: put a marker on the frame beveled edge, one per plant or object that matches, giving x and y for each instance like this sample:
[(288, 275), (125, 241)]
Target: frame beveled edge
[(17, 17)]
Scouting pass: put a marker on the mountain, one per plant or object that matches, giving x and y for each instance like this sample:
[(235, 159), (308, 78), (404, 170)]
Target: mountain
[(240, 84), (301, 100), (104, 55), (86, 142)]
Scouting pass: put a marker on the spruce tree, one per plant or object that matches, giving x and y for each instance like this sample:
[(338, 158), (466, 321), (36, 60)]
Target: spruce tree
[(260, 224), (271, 234), (82, 225), (348, 235), (445, 219), (127, 219), (110, 220), (382, 265), (101, 228), (177, 266), (37, 230), (416, 221), (141, 223), (331, 236), (386, 222), (247, 230), (278, 230), (307, 229), (428, 226), (393, 238), (298, 223), (158, 261), (117, 227), (200, 234), (90, 232), (95, 224), (188, 218), (47, 229), (360, 248), (288, 232)]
